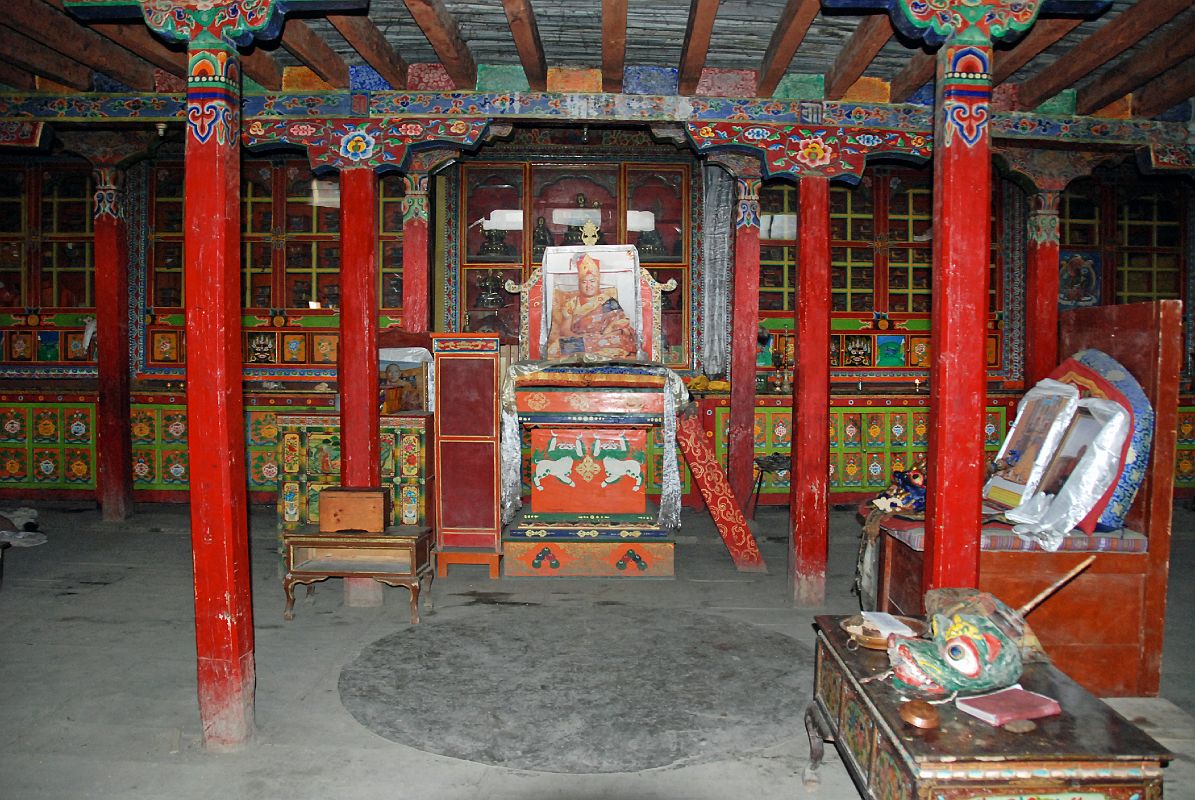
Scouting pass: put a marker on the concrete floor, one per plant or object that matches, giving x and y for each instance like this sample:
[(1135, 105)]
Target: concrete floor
[(97, 656)]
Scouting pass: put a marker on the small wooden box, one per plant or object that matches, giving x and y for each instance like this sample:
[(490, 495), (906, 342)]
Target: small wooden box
[(342, 509)]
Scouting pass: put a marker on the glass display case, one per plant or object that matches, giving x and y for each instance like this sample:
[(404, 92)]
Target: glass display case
[(647, 205)]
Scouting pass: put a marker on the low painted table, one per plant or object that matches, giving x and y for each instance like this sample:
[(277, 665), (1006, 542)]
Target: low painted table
[(402, 556), (1088, 752)]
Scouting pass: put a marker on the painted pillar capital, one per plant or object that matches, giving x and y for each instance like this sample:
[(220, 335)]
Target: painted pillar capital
[(797, 151), (414, 199), (374, 144), (1043, 218), (1050, 170), (109, 152), (207, 22)]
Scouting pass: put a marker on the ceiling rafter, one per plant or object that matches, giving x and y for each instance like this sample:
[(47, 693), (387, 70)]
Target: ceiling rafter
[(444, 34), (56, 30), (138, 40), (856, 55), (262, 68), (305, 45), (614, 44), (1043, 34), (1117, 35), (918, 72), (19, 79), (697, 44), (43, 61), (1165, 91), (525, 31), (1174, 47), (794, 22), (370, 43)]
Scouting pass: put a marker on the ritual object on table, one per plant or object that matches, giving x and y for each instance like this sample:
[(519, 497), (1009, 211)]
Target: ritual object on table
[(977, 643)]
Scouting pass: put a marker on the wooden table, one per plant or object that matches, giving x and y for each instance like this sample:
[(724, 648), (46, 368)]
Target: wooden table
[(399, 557), (1088, 751)]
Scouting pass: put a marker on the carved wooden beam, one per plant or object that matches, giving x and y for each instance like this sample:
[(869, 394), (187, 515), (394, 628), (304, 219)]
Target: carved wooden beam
[(1043, 34), (57, 31), (17, 78), (1168, 50), (871, 34), (138, 40), (371, 45), (41, 60), (305, 45), (918, 72), (261, 67), (444, 35), (1119, 34), (697, 43), (1165, 91), (614, 43), (526, 35), (786, 38)]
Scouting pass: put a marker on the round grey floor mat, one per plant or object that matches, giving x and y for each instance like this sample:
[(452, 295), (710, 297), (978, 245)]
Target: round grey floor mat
[(605, 688)]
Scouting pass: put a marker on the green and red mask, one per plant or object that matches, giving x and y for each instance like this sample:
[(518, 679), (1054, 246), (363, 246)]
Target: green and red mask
[(967, 654)]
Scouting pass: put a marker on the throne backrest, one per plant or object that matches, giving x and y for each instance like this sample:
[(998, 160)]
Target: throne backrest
[(548, 290)]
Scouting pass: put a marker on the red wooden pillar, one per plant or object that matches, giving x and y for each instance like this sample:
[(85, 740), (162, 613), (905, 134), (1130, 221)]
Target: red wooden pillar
[(416, 301), (1041, 313), (114, 451), (360, 443), (810, 475), (958, 379), (744, 333), (219, 526)]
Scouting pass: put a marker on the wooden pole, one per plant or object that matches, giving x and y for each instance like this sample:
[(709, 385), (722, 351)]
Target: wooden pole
[(809, 477), (219, 523), (1041, 328), (360, 442), (744, 330), (415, 289), (958, 380), (114, 451)]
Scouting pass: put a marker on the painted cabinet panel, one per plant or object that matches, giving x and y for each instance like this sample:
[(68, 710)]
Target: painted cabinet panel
[(47, 445)]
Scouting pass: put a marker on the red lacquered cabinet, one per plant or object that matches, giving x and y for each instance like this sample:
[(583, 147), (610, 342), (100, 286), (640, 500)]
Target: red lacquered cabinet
[(468, 521)]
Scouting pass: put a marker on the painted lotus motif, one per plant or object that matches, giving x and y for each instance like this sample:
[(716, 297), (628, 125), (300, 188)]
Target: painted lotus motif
[(814, 152), (357, 145)]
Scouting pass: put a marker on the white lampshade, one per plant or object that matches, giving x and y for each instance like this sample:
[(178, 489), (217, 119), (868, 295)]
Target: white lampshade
[(641, 221), (576, 216), (504, 219)]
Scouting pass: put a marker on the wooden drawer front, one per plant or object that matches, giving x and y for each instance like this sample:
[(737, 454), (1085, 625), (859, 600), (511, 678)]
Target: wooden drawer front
[(1039, 790), (856, 730), (829, 682), (589, 559)]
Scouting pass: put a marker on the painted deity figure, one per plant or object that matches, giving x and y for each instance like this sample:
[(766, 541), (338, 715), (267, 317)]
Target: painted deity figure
[(589, 320)]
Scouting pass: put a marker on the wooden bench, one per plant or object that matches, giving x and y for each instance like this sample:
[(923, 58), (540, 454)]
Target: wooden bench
[(401, 556)]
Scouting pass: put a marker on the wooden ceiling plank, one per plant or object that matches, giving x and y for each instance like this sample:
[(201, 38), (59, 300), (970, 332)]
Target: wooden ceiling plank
[(697, 44), (786, 38), (1165, 91), (138, 40), (614, 44), (56, 30), (444, 35), (870, 36), (525, 31), (305, 45), (17, 78), (1117, 35), (918, 72), (41, 60), (370, 43), (1044, 34), (262, 68), (1174, 47)]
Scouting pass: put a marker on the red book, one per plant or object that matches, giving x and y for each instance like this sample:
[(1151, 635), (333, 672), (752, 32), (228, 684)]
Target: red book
[(1008, 704)]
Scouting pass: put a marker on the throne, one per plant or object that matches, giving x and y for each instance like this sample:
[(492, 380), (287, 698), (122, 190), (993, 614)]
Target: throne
[(580, 411)]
